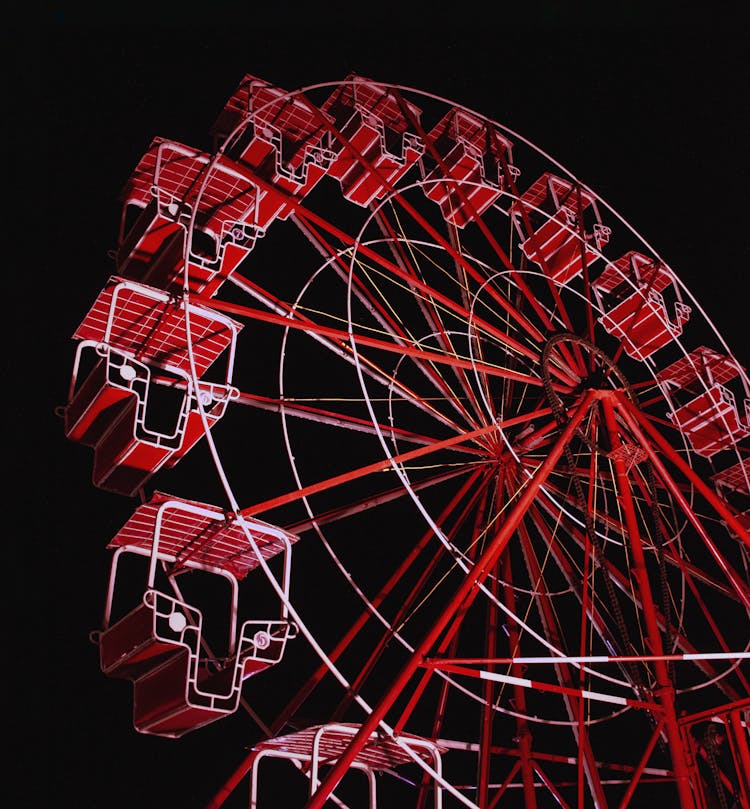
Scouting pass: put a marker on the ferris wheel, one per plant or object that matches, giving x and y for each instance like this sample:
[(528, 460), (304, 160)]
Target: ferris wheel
[(439, 472)]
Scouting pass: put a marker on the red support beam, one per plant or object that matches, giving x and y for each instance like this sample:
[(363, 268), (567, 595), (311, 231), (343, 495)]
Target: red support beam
[(369, 469), (466, 592), (384, 465), (382, 594), (523, 732), (485, 743), (665, 692), (633, 419), (634, 781), (631, 414)]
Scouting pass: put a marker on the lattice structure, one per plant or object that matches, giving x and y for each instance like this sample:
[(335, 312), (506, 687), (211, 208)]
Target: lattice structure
[(458, 400)]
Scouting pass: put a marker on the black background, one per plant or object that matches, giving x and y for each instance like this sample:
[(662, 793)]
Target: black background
[(649, 109)]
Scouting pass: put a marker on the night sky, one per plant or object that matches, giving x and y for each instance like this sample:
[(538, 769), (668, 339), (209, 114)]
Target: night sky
[(650, 112)]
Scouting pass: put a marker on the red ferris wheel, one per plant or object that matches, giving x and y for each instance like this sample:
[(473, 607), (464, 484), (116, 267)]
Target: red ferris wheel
[(439, 471)]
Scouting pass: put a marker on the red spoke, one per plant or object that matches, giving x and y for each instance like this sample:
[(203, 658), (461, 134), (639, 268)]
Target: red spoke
[(672, 556), (379, 499), (384, 591), (492, 331), (479, 573), (292, 407), (666, 689), (478, 495), (519, 689), (344, 350), (430, 312), (634, 418), (449, 641), (420, 220), (308, 326), (379, 466), (382, 316)]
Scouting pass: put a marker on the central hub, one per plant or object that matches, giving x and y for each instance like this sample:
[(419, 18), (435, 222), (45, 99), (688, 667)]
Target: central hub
[(572, 365)]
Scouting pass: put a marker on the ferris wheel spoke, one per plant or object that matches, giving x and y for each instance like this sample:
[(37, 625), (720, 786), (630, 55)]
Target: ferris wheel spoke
[(721, 640), (421, 590), (654, 635), (423, 358), (621, 579), (300, 409), (344, 351), (467, 266), (444, 300), (340, 346), (514, 679), (641, 427), (609, 596), (603, 611), (381, 498), (474, 487), (341, 336), (451, 636), (665, 550), (404, 255), (453, 443), (492, 621), (385, 320)]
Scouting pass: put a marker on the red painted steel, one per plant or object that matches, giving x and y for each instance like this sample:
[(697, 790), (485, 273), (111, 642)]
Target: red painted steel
[(465, 592), (665, 690), (159, 645), (280, 137), (144, 344), (151, 326), (440, 318), (175, 191)]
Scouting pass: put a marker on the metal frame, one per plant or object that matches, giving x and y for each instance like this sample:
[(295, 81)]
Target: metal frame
[(559, 473)]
